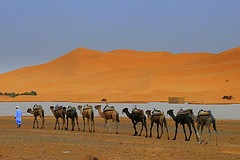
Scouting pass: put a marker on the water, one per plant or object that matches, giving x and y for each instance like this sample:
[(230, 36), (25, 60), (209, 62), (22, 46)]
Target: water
[(226, 111)]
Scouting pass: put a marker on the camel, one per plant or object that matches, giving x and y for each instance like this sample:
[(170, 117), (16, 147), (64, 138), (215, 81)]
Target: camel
[(87, 112), (183, 119), (72, 114), (37, 111), (59, 112), (205, 118), (136, 117), (109, 114), (158, 118)]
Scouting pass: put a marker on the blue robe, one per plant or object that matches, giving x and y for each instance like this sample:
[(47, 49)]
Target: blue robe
[(18, 117)]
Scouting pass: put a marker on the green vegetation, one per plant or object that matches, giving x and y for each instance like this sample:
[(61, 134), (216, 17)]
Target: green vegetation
[(13, 94)]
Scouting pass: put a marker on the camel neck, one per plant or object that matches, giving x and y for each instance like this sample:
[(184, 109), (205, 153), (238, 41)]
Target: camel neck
[(100, 112), (173, 116), (81, 110), (128, 114)]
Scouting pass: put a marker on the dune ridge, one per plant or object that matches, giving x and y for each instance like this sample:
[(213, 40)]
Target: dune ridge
[(127, 75)]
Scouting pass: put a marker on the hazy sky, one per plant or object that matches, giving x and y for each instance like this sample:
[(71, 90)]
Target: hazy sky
[(37, 31)]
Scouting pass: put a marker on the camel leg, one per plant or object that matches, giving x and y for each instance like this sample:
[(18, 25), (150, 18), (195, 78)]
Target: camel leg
[(184, 130), (161, 131), (109, 128), (58, 123), (84, 124), (151, 129), (77, 123), (145, 125), (64, 121), (89, 127), (43, 120), (196, 133), (158, 137), (135, 129), (176, 129), (165, 124), (209, 134), (215, 128), (73, 123), (200, 135), (116, 127), (93, 125), (55, 124), (190, 130), (67, 125), (141, 130), (104, 126), (36, 122)]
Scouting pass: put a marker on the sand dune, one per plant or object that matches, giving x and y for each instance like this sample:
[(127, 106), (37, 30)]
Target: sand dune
[(128, 75)]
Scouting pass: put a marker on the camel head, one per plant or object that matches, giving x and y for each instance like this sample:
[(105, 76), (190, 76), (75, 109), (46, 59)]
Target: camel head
[(190, 111), (170, 112), (79, 107), (97, 106), (148, 112), (125, 110), (29, 110)]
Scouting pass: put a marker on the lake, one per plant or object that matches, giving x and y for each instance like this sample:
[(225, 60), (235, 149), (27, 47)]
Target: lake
[(226, 111)]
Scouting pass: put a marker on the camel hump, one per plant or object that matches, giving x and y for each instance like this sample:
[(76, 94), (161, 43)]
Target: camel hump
[(187, 111), (204, 112), (157, 112), (36, 107), (108, 108)]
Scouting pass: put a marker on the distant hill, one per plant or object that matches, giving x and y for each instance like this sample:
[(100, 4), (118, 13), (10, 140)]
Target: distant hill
[(126, 75)]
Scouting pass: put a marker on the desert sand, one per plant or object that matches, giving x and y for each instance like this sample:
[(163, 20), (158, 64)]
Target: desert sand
[(28, 143), (85, 75)]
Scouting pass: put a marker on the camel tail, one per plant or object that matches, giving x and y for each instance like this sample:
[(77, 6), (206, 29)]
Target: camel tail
[(214, 125), (165, 121), (43, 113), (117, 118)]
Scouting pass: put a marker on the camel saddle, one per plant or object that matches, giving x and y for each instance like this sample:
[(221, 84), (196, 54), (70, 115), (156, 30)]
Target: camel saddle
[(57, 108), (157, 112), (137, 111), (181, 111), (87, 107), (204, 113), (70, 108), (108, 108), (36, 107)]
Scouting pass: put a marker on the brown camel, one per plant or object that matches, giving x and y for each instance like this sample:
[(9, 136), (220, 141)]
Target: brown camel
[(157, 117), (72, 114), (109, 114), (59, 112), (136, 116), (37, 111), (87, 112), (205, 118)]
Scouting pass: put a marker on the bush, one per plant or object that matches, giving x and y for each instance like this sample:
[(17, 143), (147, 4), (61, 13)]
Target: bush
[(13, 94)]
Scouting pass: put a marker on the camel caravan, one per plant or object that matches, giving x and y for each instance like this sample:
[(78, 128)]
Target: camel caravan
[(136, 115)]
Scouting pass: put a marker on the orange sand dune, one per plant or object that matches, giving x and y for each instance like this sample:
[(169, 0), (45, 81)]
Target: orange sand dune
[(126, 75)]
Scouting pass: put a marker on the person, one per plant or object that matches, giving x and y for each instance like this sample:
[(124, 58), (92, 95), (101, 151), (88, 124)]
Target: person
[(18, 117)]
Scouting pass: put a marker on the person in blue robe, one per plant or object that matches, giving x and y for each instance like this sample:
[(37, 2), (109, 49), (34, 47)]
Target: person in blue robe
[(18, 117)]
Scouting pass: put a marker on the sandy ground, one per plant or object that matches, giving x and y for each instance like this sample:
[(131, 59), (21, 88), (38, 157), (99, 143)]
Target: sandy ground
[(29, 143)]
